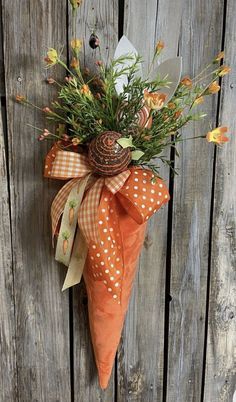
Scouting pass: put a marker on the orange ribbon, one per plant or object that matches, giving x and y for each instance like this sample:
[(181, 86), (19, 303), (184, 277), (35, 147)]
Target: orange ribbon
[(94, 203)]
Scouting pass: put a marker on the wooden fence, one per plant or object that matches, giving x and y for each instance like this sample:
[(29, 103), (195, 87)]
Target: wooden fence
[(178, 344)]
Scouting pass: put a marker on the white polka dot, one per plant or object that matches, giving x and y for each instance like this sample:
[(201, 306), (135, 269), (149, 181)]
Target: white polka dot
[(144, 181), (160, 185), (103, 210), (109, 238), (114, 296), (92, 258), (159, 193), (150, 208), (152, 191), (112, 246), (147, 217), (93, 246), (105, 282), (105, 199), (112, 265), (143, 206), (118, 272), (100, 222), (116, 284), (135, 172), (100, 274), (166, 196), (112, 278), (158, 202), (107, 271), (105, 251), (98, 254), (109, 258), (155, 211), (117, 259), (113, 241), (151, 199), (136, 179), (135, 195), (102, 242), (135, 187), (144, 173), (144, 197), (105, 230), (96, 265), (109, 289), (107, 218), (111, 229), (102, 263), (144, 189), (127, 187)]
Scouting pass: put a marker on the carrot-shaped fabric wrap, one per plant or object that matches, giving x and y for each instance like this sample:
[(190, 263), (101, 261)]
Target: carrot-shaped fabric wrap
[(101, 234)]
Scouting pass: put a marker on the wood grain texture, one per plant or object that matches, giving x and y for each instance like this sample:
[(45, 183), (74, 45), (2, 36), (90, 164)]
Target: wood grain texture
[(220, 379), (140, 357), (102, 16), (42, 330), (199, 43), (8, 374)]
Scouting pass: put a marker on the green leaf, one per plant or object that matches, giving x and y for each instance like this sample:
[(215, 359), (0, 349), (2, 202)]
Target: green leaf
[(136, 155), (126, 142)]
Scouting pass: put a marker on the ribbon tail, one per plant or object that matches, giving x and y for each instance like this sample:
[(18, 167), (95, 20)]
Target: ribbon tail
[(77, 262)]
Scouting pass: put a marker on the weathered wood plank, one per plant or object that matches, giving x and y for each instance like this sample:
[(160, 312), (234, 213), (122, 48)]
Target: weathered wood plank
[(8, 375), (103, 17), (220, 380), (140, 357), (42, 330), (199, 42)]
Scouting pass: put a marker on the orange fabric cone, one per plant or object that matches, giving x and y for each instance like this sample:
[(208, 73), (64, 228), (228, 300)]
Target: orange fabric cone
[(111, 262), (106, 317)]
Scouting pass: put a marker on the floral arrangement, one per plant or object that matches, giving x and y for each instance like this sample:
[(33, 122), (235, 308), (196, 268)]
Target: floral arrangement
[(113, 127)]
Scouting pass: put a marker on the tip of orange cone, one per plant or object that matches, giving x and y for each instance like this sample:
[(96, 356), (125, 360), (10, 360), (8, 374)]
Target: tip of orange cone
[(104, 378)]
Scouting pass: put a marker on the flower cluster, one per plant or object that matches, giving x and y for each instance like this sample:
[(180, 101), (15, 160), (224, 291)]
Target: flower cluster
[(88, 104)]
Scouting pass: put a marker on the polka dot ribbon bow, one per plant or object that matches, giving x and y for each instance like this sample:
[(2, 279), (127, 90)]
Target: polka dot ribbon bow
[(94, 203)]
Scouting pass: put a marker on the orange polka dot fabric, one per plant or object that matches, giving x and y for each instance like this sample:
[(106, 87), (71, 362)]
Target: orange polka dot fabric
[(140, 197)]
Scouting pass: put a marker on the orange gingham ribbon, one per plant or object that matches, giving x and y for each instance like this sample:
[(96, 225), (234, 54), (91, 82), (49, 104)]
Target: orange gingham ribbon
[(83, 199)]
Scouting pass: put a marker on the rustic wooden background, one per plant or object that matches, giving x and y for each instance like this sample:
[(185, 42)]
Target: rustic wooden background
[(178, 344)]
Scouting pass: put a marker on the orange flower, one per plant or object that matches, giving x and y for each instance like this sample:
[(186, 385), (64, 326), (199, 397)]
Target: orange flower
[(159, 46), (154, 100), (198, 101), (223, 70), (217, 135), (86, 91), (178, 114), (74, 62), (220, 56), (20, 98), (171, 105), (213, 88), (187, 82)]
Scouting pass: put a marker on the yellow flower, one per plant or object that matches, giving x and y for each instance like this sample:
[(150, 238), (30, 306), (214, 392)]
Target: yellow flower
[(213, 88), (154, 100), (75, 3), (74, 62), (75, 141), (159, 46), (198, 101), (171, 105), (86, 91), (223, 70), (76, 44), (217, 135), (52, 57), (187, 82), (220, 56)]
